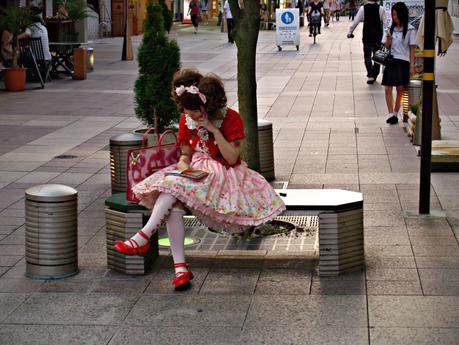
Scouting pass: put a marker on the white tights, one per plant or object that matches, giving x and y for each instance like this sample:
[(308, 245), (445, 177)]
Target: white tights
[(164, 210)]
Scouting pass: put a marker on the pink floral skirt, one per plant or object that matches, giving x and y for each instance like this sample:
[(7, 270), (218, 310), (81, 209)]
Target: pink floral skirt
[(229, 200)]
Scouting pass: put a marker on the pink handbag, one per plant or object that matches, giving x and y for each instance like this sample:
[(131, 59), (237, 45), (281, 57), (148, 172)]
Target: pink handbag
[(145, 161)]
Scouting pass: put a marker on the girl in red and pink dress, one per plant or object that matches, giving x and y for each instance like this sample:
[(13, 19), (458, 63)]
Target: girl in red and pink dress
[(230, 198)]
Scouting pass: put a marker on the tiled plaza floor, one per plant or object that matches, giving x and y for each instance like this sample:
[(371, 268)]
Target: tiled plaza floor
[(329, 132)]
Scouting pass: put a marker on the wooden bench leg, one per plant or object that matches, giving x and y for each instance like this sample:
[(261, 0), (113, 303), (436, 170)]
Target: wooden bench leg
[(341, 242), (121, 226)]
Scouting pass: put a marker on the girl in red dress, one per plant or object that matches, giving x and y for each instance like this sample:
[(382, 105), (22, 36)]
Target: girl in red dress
[(230, 198)]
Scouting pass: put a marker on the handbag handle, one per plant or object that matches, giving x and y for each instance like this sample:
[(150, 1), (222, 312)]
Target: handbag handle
[(160, 137), (145, 136)]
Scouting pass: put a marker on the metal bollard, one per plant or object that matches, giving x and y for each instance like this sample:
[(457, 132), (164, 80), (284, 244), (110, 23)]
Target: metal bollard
[(89, 60), (119, 146), (411, 95), (265, 144), (51, 233)]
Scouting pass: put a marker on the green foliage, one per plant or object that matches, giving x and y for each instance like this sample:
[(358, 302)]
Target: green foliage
[(76, 9), (167, 15), (15, 20), (159, 59)]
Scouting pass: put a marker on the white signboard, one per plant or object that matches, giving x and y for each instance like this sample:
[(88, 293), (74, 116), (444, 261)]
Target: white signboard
[(415, 9), (288, 27)]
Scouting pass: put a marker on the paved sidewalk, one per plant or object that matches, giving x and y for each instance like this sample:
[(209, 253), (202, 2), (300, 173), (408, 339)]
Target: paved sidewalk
[(330, 132)]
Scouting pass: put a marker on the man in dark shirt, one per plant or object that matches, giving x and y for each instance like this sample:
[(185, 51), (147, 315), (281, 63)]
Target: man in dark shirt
[(373, 17)]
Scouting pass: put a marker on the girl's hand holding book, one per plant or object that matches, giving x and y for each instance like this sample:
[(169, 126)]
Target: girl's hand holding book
[(182, 166)]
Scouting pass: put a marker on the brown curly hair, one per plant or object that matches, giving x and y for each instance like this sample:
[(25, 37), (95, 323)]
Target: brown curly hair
[(212, 87), (186, 77)]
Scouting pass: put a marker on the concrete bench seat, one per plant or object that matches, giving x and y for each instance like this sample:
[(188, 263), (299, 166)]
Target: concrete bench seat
[(445, 155), (340, 229), (340, 226), (123, 220)]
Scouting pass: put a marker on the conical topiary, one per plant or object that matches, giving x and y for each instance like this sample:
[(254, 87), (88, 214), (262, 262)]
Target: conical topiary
[(167, 15), (159, 59)]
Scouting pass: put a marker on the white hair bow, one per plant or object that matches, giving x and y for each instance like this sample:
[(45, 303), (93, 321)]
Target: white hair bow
[(190, 89)]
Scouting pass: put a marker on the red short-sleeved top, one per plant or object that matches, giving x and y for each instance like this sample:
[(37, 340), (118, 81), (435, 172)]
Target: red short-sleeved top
[(201, 140)]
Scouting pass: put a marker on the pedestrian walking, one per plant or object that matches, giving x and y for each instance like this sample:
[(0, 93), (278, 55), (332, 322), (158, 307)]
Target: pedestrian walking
[(401, 40), (229, 21), (332, 8), (338, 10), (230, 198), (351, 9), (205, 11), (194, 11), (326, 10), (373, 17)]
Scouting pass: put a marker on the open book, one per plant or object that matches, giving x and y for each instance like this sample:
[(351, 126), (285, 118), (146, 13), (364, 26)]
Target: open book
[(189, 173)]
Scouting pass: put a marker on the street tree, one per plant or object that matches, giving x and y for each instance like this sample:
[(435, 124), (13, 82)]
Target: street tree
[(246, 18)]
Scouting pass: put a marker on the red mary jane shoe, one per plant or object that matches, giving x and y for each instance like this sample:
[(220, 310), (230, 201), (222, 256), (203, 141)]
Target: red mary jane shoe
[(133, 248), (182, 279)]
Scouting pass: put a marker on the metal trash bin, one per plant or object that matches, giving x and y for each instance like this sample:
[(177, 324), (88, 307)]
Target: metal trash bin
[(265, 144), (51, 231), (119, 146)]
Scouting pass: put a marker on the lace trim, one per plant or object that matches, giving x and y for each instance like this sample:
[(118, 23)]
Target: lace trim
[(191, 124)]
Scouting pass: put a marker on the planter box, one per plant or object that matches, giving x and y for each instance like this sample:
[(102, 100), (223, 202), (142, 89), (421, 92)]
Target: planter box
[(56, 28)]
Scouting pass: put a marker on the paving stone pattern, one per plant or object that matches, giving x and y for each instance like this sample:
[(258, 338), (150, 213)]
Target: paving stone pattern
[(329, 132)]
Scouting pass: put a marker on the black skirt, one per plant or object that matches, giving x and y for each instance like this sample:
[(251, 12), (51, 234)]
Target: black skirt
[(396, 73)]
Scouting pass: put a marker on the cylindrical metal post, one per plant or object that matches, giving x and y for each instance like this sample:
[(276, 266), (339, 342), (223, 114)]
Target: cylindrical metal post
[(119, 146), (89, 60), (51, 231), (428, 82)]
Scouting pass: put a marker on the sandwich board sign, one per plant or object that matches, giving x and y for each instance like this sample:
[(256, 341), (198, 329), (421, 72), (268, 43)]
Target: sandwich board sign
[(287, 27)]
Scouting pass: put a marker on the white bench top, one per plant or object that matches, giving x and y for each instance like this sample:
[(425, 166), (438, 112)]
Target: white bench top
[(320, 199)]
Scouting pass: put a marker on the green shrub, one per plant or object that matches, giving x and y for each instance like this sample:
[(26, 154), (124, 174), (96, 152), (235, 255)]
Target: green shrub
[(159, 59), (167, 15)]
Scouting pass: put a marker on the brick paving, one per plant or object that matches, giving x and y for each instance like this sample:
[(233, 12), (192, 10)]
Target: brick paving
[(329, 132)]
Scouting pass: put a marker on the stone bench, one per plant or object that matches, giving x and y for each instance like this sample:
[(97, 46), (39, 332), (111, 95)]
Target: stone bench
[(122, 221), (340, 226), (340, 229)]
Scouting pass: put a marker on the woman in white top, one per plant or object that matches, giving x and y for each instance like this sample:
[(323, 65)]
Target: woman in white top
[(401, 39)]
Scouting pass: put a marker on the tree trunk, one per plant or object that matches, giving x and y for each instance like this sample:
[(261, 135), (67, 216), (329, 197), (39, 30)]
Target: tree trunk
[(245, 33)]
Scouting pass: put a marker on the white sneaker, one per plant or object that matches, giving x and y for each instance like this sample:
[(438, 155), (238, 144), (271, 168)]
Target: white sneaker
[(370, 80)]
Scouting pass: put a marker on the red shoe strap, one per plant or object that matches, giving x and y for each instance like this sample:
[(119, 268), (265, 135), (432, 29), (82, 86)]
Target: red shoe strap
[(141, 233), (180, 264), (132, 242)]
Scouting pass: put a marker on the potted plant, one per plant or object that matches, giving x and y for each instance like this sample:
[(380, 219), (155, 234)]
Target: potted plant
[(159, 59), (68, 14), (15, 20)]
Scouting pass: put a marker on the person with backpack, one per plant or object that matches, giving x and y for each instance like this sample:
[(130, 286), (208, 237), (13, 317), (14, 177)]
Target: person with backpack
[(373, 17), (193, 11)]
